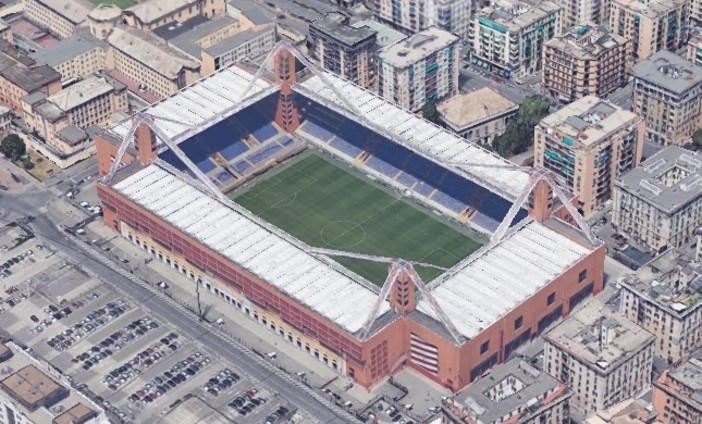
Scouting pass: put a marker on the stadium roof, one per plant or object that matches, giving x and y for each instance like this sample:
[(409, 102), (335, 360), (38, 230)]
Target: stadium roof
[(421, 136), (496, 279), (203, 104), (259, 248)]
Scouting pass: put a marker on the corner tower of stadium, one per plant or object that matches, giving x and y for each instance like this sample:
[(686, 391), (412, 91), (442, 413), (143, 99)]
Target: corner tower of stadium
[(238, 130)]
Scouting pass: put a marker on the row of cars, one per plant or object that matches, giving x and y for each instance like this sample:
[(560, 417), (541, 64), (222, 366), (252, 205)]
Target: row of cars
[(116, 341), (277, 415), (220, 382), (141, 362), (6, 267), (176, 375), (53, 314), (247, 402), (98, 318)]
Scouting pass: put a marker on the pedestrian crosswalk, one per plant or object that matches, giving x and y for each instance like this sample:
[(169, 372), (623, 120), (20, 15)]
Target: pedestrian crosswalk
[(42, 210)]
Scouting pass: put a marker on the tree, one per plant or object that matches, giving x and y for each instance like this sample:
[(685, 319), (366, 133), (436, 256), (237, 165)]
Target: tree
[(430, 113), (519, 133), (13, 147), (697, 139)]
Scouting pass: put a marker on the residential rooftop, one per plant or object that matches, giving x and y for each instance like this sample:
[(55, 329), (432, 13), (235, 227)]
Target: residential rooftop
[(630, 411), (151, 11), (385, 34), (32, 78), (587, 41), (668, 71), (650, 8), (672, 281), (73, 10), (83, 91), (589, 120), (151, 52), (668, 180), (37, 391), (599, 337), (514, 389), (411, 50), (336, 25), (78, 413), (689, 375), (81, 42), (514, 15), (251, 11), (474, 108)]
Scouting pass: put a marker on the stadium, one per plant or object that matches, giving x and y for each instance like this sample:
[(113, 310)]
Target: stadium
[(364, 235)]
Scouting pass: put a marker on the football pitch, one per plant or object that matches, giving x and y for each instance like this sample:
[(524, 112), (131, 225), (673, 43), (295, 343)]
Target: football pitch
[(324, 204)]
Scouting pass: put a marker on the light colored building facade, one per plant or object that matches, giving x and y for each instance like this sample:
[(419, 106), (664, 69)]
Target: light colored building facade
[(515, 392), (585, 61), (677, 393), (150, 14), (77, 56), (667, 92), (420, 69), (659, 204), (507, 37), (479, 116), (219, 42), (158, 67), (20, 75), (60, 17), (630, 411), (344, 50), (603, 357), (694, 49), (412, 16), (588, 144), (61, 119), (650, 26), (578, 12), (663, 297)]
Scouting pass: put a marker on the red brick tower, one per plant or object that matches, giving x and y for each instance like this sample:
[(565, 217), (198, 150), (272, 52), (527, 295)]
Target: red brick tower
[(145, 144), (286, 113), (540, 200), (402, 297)]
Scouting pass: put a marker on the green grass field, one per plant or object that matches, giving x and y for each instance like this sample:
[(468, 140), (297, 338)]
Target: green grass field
[(324, 204), (122, 4)]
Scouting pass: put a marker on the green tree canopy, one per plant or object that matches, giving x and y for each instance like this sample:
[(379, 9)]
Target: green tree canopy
[(519, 134), (13, 147), (697, 140), (430, 113)]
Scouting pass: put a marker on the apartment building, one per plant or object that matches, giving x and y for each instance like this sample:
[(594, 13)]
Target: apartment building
[(650, 26), (103, 18), (77, 56), (677, 393), (603, 357), (659, 204), (60, 120), (35, 393), (588, 144), (21, 75), (508, 36), (385, 35), (60, 17), (157, 67), (343, 49), (586, 60), (150, 14), (420, 69), (663, 297), (479, 116), (514, 392), (220, 42), (578, 12), (694, 48), (667, 96), (630, 411), (411, 16)]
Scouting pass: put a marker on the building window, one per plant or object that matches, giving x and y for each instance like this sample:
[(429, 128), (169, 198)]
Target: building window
[(518, 322), (484, 347), (582, 276), (551, 298)]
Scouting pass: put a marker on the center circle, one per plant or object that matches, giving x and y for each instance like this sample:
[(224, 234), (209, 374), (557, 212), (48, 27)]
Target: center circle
[(342, 234)]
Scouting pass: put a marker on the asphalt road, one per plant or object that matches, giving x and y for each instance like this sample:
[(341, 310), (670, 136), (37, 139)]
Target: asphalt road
[(470, 80), (29, 203)]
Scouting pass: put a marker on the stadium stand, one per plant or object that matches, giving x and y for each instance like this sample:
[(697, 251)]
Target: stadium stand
[(235, 150), (407, 180), (449, 202), (485, 222), (206, 165), (242, 166), (257, 124), (224, 177), (382, 167), (264, 153), (345, 147)]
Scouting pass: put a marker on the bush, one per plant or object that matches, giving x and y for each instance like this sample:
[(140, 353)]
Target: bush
[(519, 134), (13, 147)]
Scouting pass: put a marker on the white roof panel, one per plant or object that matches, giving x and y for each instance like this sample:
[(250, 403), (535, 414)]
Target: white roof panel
[(506, 179), (489, 284), (269, 255)]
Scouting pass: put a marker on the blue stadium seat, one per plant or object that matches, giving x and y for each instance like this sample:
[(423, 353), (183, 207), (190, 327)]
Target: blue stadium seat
[(234, 150), (448, 202), (224, 177), (382, 167), (206, 166), (407, 180), (317, 131), (242, 166), (485, 221), (423, 188), (263, 154), (287, 141), (345, 147)]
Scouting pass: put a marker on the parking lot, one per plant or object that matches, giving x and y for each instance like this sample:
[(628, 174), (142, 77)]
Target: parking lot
[(130, 361)]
